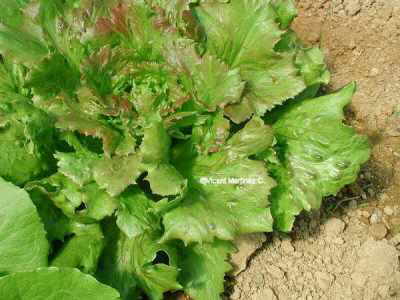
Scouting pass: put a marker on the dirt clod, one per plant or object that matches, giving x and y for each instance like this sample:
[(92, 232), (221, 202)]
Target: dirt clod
[(376, 216), (334, 227), (378, 231)]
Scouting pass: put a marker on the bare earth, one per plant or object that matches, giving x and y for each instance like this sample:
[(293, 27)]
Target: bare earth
[(349, 250)]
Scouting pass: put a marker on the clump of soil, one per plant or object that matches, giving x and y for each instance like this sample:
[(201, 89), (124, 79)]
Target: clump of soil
[(349, 250), (324, 258)]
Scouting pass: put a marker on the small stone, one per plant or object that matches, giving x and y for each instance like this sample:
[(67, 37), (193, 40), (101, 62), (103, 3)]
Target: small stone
[(378, 231), (338, 241), (373, 72), (365, 214), (388, 211), (353, 7), (334, 227), (363, 195), (376, 216)]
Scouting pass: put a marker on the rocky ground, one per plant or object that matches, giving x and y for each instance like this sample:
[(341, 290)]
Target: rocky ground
[(350, 249)]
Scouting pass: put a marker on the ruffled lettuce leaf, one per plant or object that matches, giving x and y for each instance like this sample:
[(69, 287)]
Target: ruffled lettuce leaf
[(54, 283), (203, 269), (23, 243), (131, 263), (82, 250), (218, 204), (26, 141), (318, 154)]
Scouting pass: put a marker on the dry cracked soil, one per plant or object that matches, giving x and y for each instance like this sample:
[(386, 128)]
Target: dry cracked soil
[(350, 249)]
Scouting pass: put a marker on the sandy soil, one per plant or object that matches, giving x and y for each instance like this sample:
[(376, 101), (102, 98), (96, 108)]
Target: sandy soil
[(349, 250)]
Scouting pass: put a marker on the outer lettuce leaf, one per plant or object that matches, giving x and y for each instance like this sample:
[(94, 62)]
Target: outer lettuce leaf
[(203, 269), (164, 179), (222, 210), (117, 173), (83, 250), (26, 141), (211, 136), (77, 166), (286, 12), (91, 127), (319, 154), (240, 32), (312, 66), (243, 34), (57, 224), (136, 215), (23, 243), (211, 82), (130, 263), (54, 283), (86, 203)]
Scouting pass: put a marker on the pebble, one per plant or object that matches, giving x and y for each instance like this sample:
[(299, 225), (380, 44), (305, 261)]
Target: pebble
[(373, 72), (338, 241), (353, 7), (334, 227), (365, 214), (388, 211), (378, 231), (376, 216)]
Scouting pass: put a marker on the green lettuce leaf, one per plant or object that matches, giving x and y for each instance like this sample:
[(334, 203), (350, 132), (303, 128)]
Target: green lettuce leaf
[(243, 34), (220, 202), (129, 263), (319, 154), (83, 250), (54, 283), (117, 173), (203, 269), (86, 203), (164, 179), (286, 12), (26, 141), (56, 224), (23, 243), (135, 214)]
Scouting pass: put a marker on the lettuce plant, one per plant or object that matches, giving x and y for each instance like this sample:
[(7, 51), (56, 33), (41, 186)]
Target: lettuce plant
[(139, 138)]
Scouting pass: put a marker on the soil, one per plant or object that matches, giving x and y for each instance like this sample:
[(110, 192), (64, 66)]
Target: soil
[(350, 249)]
